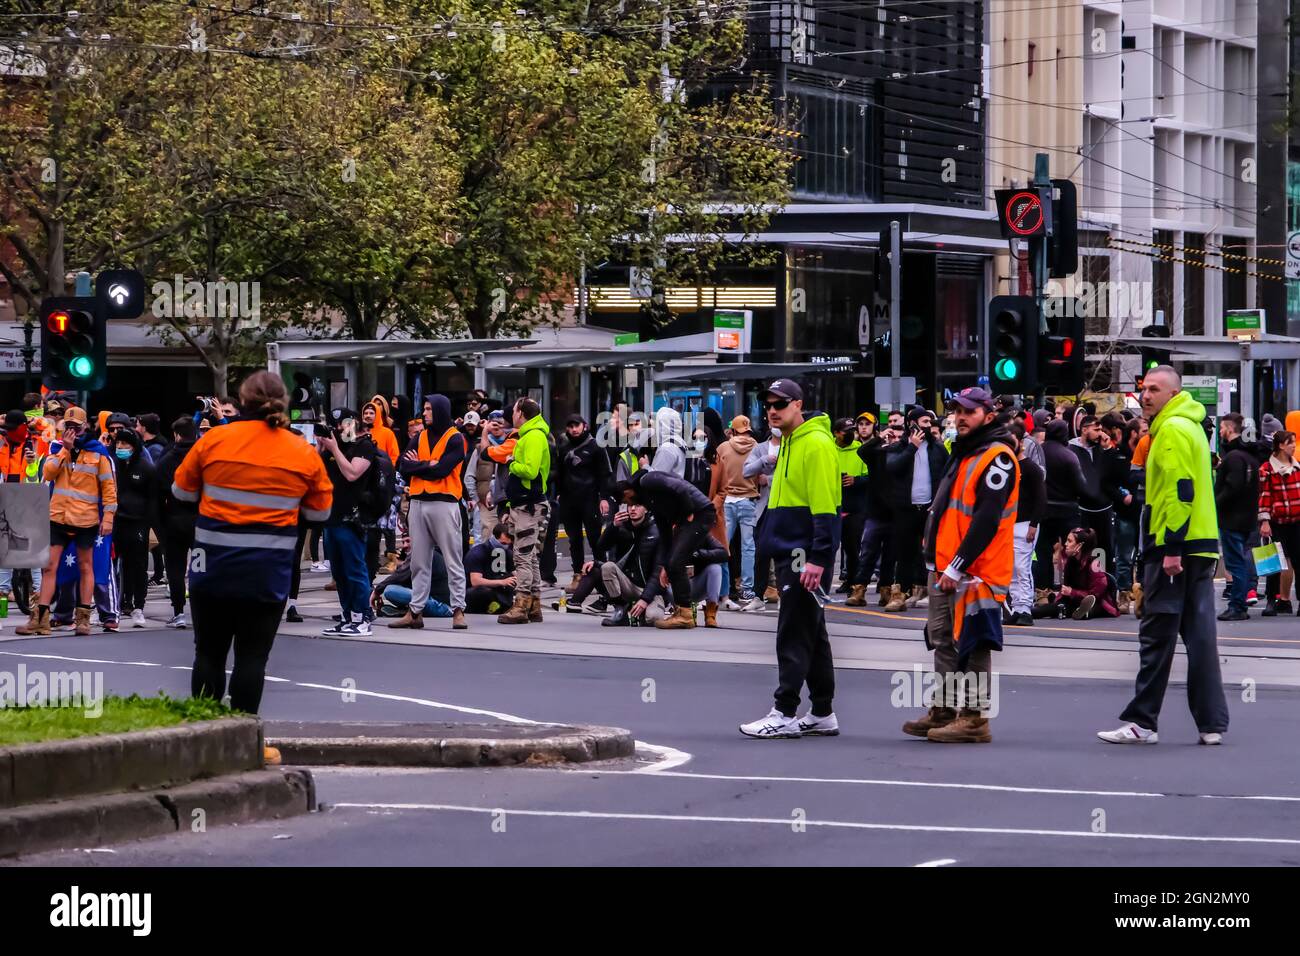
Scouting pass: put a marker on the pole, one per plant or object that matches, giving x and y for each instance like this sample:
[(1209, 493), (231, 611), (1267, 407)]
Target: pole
[(29, 353), (1038, 244), (895, 314)]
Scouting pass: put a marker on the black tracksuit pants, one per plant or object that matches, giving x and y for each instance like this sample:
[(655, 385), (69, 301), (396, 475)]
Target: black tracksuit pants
[(1050, 530), (909, 529), (803, 647), (688, 537), (851, 526), (251, 627), (1170, 608), (131, 542), (177, 542), (579, 513)]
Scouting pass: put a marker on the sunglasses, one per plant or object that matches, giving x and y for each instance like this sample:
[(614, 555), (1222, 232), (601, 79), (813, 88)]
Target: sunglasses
[(780, 406)]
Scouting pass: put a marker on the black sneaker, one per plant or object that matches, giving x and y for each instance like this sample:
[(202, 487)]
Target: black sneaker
[(293, 617), (1231, 614), (600, 605), (618, 619), (1024, 619), (336, 628), (1283, 607), (1270, 609)]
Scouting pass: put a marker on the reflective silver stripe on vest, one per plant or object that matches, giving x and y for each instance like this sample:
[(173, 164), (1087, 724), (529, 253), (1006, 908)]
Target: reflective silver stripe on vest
[(85, 469), (112, 507), (256, 499), (228, 540), (311, 514), (79, 495), (180, 494)]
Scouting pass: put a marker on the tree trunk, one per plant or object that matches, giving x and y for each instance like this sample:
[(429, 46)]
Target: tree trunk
[(220, 373)]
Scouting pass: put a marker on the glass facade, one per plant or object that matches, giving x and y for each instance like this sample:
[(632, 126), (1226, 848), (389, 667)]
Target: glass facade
[(836, 147)]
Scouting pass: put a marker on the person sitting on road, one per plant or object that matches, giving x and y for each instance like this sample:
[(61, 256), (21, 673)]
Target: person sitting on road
[(629, 579), (490, 570), (391, 596), (1086, 590)]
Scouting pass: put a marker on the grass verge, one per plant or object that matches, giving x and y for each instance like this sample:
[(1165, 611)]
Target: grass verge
[(28, 725)]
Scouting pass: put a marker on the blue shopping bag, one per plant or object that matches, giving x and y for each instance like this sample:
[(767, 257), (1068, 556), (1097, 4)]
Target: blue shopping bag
[(1268, 558)]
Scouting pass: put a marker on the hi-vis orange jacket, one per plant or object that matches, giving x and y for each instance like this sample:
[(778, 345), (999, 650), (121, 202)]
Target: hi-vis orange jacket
[(253, 483), (81, 487)]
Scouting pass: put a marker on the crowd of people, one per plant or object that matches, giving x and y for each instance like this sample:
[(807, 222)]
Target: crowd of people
[(455, 512)]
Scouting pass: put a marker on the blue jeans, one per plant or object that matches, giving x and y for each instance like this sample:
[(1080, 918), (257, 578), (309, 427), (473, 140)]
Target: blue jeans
[(1240, 566), (742, 512), (400, 596), (345, 549), (7, 580), (1126, 540)]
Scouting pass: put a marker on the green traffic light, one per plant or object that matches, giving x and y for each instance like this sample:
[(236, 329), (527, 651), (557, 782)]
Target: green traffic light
[(81, 367), (1006, 369), (1152, 363)]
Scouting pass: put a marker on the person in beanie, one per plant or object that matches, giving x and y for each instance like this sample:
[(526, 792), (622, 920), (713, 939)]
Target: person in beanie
[(529, 467), (800, 531), (583, 478), (1180, 551), (970, 552), (1236, 497), (853, 501)]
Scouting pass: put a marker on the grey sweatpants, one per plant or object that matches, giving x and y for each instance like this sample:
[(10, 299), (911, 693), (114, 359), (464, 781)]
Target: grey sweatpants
[(436, 523)]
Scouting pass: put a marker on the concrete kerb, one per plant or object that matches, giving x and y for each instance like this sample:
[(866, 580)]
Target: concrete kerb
[(143, 760), (445, 745)]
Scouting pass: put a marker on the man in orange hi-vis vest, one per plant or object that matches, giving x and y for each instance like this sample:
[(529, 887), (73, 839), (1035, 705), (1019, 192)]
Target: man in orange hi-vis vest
[(970, 552)]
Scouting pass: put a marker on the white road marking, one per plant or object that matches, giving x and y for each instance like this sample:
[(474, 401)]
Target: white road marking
[(836, 824), (669, 757), (80, 660), (869, 782), (934, 863)]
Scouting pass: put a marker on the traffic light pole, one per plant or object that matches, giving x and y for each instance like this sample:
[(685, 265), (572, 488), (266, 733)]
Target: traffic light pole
[(1038, 261), (895, 313)]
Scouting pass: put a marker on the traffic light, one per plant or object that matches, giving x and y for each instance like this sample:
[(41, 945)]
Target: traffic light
[(1063, 246), (1013, 344), (1061, 353), (74, 343), (1153, 357)]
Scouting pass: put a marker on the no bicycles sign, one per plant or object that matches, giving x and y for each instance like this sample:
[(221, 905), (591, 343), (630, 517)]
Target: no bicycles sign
[(1022, 213)]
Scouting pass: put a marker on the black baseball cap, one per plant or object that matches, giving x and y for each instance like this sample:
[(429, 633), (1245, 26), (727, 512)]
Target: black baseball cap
[(574, 419), (972, 398), (784, 388), (14, 419), (340, 415)]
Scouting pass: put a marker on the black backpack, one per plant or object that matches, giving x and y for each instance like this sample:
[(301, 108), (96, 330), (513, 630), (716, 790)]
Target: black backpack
[(381, 486)]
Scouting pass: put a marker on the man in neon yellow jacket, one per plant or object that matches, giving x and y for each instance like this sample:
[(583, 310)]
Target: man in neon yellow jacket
[(800, 532), (530, 511), (1180, 550)]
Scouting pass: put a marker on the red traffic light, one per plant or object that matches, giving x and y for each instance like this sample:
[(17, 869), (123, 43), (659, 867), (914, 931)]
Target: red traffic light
[(58, 322), (1067, 348)]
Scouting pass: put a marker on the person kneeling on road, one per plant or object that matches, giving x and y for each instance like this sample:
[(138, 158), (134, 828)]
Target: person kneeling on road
[(490, 570), (685, 516)]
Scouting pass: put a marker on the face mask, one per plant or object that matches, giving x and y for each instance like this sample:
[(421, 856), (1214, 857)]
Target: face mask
[(700, 445), (123, 454)]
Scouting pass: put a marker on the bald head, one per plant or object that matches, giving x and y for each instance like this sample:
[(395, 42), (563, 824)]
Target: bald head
[(1158, 386)]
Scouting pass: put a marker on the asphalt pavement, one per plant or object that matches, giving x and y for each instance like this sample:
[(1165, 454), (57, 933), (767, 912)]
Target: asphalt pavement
[(1045, 792)]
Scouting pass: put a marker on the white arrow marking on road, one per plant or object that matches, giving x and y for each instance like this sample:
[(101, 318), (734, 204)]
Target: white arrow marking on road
[(836, 824), (934, 863)]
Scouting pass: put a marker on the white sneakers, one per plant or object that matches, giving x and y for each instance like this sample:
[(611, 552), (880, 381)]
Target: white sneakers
[(757, 605), (730, 605), (320, 567), (810, 726), (777, 726), (1129, 734), (137, 618), (1212, 739), (177, 621)]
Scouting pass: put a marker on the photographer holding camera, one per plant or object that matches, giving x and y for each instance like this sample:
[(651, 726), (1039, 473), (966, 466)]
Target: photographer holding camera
[(913, 467), (348, 456)]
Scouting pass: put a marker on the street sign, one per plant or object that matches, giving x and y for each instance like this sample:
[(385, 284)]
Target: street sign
[(896, 392), (121, 293), (627, 338), (1293, 255), (1244, 323), (731, 330), (11, 360), (1203, 388), (1022, 213)]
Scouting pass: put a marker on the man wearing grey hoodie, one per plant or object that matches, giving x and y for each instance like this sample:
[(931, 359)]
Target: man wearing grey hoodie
[(670, 454)]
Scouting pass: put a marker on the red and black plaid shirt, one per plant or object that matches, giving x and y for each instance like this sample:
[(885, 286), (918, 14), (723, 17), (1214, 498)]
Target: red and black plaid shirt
[(1279, 495)]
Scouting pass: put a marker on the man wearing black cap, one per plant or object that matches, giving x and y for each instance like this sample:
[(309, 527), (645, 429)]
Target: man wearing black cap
[(583, 478), (348, 457), (913, 467), (969, 548), (800, 532)]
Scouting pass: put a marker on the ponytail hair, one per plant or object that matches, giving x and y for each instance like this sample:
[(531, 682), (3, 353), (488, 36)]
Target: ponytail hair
[(263, 397)]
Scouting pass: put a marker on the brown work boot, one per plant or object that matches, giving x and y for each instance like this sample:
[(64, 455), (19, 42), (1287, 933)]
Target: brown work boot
[(771, 595), (573, 585), (681, 618), (458, 620), (883, 594), (857, 596), (391, 560), (1042, 597), (710, 613), (81, 619), (897, 600), (1137, 599), (1125, 602), (934, 717), (969, 728), (518, 613), (38, 624), (410, 619), (917, 595), (535, 609)]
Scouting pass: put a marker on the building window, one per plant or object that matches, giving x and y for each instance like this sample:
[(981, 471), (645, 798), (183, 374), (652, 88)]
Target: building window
[(1095, 297), (1193, 283), (836, 146), (1032, 48), (1234, 283)]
